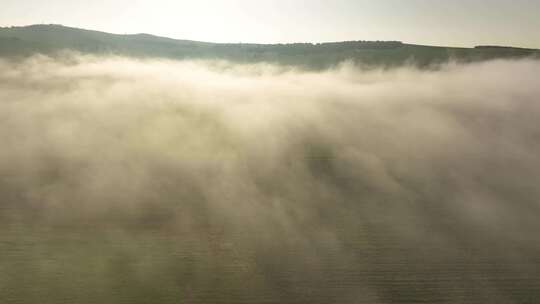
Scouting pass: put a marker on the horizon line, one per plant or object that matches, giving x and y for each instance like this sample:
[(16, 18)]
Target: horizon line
[(274, 43)]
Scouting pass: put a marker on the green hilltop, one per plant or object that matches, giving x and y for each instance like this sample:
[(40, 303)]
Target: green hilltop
[(50, 39)]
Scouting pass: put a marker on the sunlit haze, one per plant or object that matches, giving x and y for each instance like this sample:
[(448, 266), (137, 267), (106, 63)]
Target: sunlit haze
[(392, 160), (455, 23)]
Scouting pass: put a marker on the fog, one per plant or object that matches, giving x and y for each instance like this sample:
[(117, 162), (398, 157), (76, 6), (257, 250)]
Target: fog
[(154, 181)]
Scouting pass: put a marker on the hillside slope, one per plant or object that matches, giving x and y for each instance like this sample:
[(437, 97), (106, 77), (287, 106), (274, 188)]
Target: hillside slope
[(49, 39)]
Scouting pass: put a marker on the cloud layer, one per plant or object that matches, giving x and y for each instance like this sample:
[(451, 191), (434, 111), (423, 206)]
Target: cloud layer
[(204, 182)]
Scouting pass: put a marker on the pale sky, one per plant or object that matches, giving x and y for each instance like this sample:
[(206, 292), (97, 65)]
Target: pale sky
[(433, 22)]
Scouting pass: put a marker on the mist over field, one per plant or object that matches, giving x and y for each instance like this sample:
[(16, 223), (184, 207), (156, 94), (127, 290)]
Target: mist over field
[(157, 181)]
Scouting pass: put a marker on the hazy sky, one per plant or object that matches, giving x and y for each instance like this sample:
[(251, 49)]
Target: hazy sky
[(438, 22)]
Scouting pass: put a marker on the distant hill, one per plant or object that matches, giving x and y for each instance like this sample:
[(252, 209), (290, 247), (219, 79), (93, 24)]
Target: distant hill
[(50, 39)]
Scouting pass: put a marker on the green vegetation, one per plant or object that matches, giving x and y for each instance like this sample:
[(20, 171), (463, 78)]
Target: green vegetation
[(50, 39)]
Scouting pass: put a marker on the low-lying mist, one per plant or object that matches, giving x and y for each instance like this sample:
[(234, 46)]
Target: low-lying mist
[(152, 181)]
